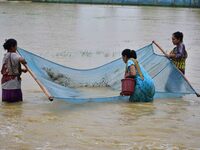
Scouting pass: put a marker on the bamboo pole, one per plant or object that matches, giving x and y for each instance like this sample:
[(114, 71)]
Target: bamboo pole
[(38, 82), (197, 94)]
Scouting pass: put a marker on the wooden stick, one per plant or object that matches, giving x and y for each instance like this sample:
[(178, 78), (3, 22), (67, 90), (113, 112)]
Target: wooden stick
[(197, 94), (38, 82), (160, 49)]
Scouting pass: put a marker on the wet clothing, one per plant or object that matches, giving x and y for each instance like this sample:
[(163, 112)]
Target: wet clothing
[(181, 55), (11, 81), (12, 95), (144, 89)]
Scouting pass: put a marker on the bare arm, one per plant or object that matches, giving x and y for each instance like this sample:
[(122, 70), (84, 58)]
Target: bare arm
[(172, 55), (132, 72), (180, 52), (22, 60)]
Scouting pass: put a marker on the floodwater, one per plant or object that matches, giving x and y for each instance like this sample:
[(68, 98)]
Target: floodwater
[(98, 33)]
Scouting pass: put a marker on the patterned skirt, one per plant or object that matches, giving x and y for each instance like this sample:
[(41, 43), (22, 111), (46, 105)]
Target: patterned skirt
[(144, 91), (180, 64), (11, 95)]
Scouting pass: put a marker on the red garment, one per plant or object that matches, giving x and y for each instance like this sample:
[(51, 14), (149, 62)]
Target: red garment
[(6, 77)]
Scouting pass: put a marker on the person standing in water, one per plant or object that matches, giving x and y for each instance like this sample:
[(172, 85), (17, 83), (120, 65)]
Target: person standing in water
[(144, 86), (179, 53), (11, 72)]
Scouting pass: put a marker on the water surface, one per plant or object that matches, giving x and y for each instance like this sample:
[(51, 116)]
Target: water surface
[(86, 36)]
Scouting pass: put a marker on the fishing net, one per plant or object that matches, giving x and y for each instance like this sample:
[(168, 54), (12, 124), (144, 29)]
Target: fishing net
[(104, 83)]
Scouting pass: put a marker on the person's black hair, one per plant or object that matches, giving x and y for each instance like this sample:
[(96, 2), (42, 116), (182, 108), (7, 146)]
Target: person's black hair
[(129, 53), (9, 44), (178, 35)]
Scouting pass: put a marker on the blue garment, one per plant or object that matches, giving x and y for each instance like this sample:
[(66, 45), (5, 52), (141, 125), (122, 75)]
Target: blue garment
[(144, 89)]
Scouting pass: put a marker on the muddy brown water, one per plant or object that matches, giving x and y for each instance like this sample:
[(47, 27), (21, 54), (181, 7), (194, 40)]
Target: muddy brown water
[(86, 36)]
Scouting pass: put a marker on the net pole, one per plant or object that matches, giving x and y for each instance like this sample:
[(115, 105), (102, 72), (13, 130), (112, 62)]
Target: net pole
[(159, 47), (39, 83)]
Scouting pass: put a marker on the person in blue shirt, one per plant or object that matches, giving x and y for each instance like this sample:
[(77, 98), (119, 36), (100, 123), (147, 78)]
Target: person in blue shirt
[(144, 87)]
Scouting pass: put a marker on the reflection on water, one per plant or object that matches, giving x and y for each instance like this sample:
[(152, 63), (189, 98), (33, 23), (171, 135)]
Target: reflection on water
[(85, 36)]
